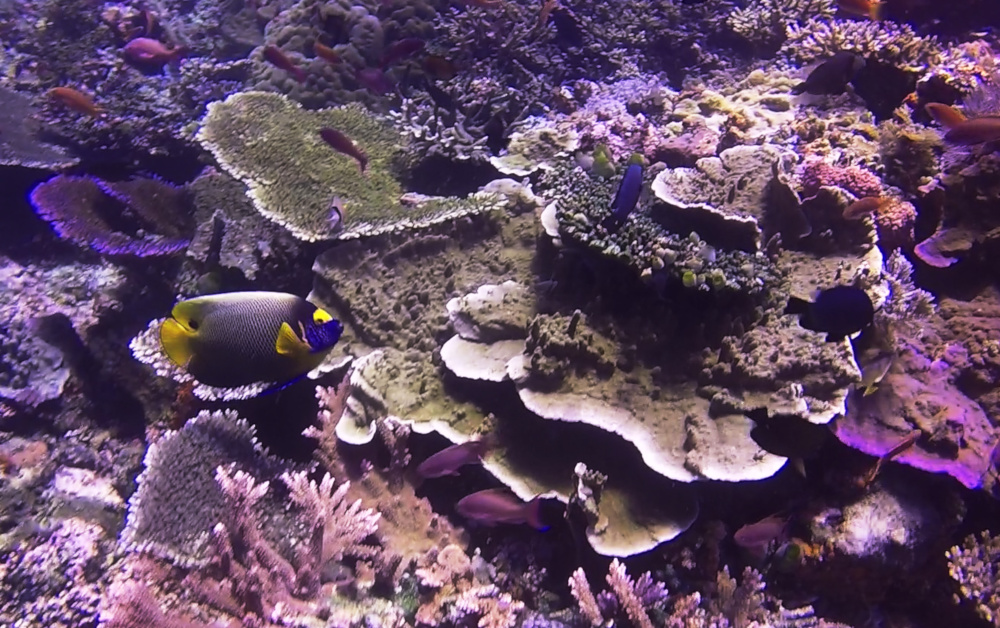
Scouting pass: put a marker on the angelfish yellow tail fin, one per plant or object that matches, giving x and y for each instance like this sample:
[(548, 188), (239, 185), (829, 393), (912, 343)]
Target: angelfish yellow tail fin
[(176, 342), (288, 343)]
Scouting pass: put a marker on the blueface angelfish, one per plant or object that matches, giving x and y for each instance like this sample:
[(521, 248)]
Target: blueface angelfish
[(626, 198), (239, 338), (838, 312)]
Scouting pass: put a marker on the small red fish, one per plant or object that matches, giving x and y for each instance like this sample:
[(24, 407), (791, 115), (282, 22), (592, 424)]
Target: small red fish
[(375, 80), (498, 505), (326, 53), (75, 100), (281, 61), (450, 459), (402, 49), (152, 52), (343, 144), (871, 9)]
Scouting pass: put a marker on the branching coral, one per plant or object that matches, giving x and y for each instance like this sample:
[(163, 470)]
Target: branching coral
[(765, 22), (892, 43), (973, 565)]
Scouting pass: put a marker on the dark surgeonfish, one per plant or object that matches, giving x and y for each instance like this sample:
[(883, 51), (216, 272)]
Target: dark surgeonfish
[(838, 312), (240, 338), (626, 198), (832, 76)]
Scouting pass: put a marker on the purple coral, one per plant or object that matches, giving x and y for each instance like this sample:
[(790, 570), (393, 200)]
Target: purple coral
[(894, 222), (816, 173), (80, 211)]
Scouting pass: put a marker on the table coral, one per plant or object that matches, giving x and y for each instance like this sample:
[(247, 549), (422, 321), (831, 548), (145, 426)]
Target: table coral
[(293, 175), (78, 209)]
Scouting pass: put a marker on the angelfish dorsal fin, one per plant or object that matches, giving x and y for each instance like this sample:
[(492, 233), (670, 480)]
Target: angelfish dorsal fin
[(288, 343)]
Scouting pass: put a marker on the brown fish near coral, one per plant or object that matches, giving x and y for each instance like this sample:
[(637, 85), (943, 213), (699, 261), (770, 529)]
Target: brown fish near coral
[(945, 115), (450, 459), (756, 537), (863, 207), (866, 8), (151, 51), (280, 60), (326, 53), (974, 131), (498, 505), (343, 144), (75, 100)]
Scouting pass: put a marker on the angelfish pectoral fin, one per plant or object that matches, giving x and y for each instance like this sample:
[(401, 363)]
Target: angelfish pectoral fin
[(288, 343)]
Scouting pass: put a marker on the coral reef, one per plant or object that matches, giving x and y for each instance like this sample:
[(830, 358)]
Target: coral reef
[(293, 175), (973, 566), (82, 209), (765, 22)]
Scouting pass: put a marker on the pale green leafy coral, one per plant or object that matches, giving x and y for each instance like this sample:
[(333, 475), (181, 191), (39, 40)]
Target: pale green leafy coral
[(273, 145)]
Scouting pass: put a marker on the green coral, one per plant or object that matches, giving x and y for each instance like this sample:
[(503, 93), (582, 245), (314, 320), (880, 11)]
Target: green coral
[(653, 252), (273, 145)]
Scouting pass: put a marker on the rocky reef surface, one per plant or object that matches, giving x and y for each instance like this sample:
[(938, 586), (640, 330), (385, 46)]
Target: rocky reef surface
[(451, 181)]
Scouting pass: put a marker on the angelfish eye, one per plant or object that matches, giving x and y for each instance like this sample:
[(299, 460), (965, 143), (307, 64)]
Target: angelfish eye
[(193, 324)]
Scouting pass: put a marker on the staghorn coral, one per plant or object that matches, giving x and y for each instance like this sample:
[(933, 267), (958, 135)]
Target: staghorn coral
[(431, 132), (896, 44), (973, 565), (81, 210), (764, 23), (178, 501), (250, 577), (293, 175)]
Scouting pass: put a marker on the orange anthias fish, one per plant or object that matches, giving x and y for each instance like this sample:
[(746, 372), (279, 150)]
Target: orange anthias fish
[(863, 207), (75, 100), (343, 144), (945, 115), (961, 130), (281, 61), (326, 53), (151, 51), (866, 8)]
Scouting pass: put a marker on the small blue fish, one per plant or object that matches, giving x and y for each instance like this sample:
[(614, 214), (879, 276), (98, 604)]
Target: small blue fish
[(626, 198)]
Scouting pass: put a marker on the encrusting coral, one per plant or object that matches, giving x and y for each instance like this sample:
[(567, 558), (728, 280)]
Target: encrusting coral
[(294, 177)]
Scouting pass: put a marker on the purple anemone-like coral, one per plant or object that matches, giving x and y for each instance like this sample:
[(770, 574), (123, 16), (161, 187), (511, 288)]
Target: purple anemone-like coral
[(100, 215)]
